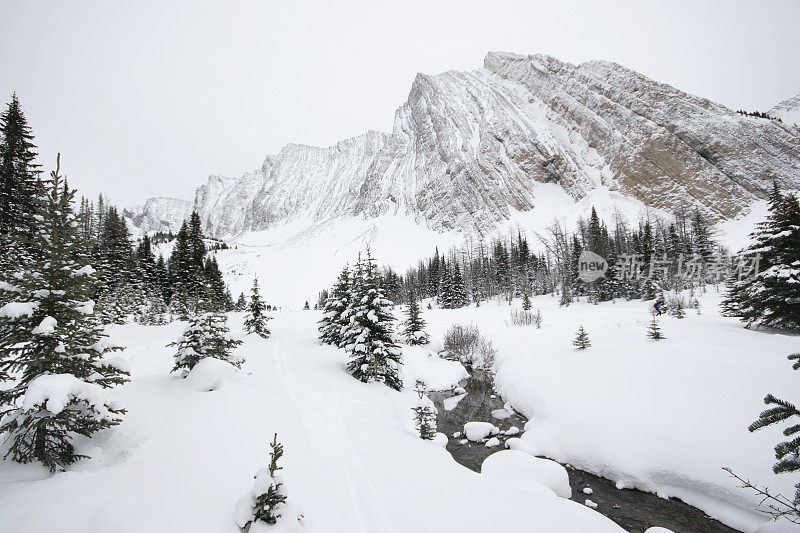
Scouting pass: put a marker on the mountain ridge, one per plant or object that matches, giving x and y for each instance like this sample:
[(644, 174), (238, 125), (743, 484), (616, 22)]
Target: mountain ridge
[(467, 148)]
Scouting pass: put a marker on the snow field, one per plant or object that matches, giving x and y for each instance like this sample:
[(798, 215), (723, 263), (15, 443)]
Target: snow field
[(662, 416), (182, 458)]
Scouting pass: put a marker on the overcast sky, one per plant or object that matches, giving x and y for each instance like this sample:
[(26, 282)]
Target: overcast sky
[(149, 98)]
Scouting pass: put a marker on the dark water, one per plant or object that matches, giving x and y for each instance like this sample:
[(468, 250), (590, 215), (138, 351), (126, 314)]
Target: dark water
[(632, 509)]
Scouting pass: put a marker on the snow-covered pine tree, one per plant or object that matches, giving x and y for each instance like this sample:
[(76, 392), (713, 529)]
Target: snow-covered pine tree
[(424, 414), (51, 343), (268, 497), (581, 341), (332, 322), (306, 306), (458, 292), (256, 320), (241, 303), (526, 302), (788, 452), (19, 187), (205, 336), (654, 330), (373, 354), (414, 331), (770, 297)]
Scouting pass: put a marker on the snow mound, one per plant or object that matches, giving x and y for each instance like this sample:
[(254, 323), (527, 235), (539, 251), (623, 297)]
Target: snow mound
[(440, 439), (514, 464), (657, 529), (491, 443), (476, 431), (436, 373), (210, 374)]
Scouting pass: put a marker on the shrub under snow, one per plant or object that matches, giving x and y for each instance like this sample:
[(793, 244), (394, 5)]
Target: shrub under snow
[(466, 343)]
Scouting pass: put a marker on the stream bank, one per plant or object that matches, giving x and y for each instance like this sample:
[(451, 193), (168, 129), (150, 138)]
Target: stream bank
[(632, 509)]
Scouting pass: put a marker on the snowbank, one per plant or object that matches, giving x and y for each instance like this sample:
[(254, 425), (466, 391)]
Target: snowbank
[(510, 465), (210, 374)]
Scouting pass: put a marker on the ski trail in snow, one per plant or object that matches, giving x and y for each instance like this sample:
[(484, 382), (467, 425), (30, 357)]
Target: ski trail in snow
[(329, 429)]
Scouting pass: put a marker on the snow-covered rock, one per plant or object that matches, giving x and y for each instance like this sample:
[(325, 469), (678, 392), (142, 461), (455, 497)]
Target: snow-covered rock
[(476, 431), (514, 464)]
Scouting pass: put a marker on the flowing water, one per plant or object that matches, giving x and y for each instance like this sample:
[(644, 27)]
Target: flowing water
[(634, 510)]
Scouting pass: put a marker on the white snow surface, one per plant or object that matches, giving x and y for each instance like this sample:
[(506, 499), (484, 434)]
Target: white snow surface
[(46, 327), (55, 391), (18, 309), (181, 459), (476, 431), (663, 417), (511, 465), (210, 374)]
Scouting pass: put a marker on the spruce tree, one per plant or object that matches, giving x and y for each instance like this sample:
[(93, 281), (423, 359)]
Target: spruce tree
[(424, 414), (788, 452), (332, 322), (526, 302), (19, 186), (414, 331), (268, 496), (205, 336), (241, 303), (256, 320), (581, 341), (368, 337), (770, 297), (50, 341), (653, 330)]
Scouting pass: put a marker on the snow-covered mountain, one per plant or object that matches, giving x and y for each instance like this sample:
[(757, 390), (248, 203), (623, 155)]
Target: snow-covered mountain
[(158, 214), (788, 110), (468, 150)]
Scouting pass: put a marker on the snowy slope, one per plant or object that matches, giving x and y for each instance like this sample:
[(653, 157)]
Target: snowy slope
[(663, 416), (182, 458), (158, 214), (788, 111), (468, 148)]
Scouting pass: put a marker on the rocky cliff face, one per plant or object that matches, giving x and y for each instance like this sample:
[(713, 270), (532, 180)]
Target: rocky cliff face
[(788, 111), (158, 214), (468, 147)]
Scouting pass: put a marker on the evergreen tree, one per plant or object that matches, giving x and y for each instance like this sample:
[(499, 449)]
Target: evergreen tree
[(368, 337), (526, 302), (268, 496), (654, 331), (424, 414), (414, 331), (205, 336), (332, 322), (19, 186), (241, 303), (788, 452), (306, 306), (581, 341), (769, 297), (50, 340), (256, 320), (458, 293)]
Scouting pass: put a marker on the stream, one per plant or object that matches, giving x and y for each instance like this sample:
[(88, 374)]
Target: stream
[(632, 509)]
